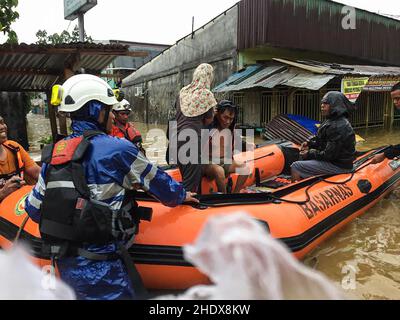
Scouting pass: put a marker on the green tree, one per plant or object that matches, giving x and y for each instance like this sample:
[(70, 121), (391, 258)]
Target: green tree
[(7, 16), (58, 38)]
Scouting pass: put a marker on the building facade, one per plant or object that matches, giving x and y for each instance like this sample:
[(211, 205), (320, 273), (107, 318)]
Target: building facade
[(254, 32)]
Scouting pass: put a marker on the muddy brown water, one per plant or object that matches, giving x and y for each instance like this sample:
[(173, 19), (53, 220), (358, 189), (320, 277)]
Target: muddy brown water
[(363, 258)]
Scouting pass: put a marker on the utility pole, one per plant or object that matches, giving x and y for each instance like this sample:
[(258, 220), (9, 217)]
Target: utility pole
[(192, 27), (81, 23)]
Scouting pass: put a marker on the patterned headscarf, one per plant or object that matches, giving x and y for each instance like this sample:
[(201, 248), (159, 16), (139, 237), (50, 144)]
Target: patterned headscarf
[(196, 98)]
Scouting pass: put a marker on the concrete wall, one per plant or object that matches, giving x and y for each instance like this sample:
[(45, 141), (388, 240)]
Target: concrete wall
[(159, 81), (12, 109)]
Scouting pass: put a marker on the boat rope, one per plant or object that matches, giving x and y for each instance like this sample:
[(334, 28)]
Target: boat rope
[(21, 228), (363, 163)]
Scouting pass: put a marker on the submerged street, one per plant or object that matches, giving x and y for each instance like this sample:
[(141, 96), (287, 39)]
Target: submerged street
[(365, 251)]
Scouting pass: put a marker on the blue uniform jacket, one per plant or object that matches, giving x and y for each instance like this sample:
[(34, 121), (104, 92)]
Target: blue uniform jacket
[(111, 165)]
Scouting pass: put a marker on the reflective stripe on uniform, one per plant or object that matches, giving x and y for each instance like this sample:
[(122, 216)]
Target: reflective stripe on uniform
[(61, 184)]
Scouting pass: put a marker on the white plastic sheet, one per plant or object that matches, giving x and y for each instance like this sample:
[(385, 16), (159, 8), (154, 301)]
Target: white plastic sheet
[(244, 262), (20, 279)]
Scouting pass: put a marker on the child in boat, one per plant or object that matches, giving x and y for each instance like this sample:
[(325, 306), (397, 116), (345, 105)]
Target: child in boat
[(221, 148), (393, 151), (333, 150)]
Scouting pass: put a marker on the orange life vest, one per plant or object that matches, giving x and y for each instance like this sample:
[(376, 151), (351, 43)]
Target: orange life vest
[(128, 132), (19, 164)]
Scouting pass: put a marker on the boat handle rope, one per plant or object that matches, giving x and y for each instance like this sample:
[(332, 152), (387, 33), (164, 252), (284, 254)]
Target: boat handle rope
[(21, 228), (364, 163)]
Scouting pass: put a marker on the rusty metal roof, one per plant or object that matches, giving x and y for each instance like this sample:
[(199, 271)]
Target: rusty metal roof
[(312, 75), (342, 69), (277, 75), (38, 67)]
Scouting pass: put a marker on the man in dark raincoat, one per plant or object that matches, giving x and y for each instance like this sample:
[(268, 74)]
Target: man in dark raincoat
[(333, 150)]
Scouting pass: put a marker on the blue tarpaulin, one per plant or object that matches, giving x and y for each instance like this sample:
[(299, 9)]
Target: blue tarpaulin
[(309, 124)]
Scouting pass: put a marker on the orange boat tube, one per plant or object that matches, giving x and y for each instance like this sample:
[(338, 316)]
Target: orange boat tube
[(301, 215), (266, 161)]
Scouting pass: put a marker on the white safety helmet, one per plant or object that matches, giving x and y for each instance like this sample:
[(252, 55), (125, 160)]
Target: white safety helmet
[(82, 88), (124, 105)]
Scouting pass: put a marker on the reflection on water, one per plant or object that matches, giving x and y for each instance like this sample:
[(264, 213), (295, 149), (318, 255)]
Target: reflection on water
[(363, 258), (378, 137)]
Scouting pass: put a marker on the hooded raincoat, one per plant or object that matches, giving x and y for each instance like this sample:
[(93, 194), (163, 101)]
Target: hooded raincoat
[(335, 141), (111, 166)]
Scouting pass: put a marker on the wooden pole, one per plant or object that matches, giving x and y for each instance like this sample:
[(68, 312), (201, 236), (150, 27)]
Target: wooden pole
[(52, 117)]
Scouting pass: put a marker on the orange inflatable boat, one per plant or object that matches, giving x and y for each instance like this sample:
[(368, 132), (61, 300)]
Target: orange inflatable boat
[(301, 215), (265, 161)]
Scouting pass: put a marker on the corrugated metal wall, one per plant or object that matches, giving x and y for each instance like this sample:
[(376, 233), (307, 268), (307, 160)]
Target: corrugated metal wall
[(317, 25)]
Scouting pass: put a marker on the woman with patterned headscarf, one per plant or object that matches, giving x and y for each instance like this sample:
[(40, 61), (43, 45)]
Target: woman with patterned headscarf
[(194, 111)]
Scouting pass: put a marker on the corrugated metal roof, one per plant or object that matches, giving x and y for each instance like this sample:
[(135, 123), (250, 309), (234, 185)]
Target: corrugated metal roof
[(297, 79), (343, 69), (272, 76), (239, 76), (37, 67), (298, 74)]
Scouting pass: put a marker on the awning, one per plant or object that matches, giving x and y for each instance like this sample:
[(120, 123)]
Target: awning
[(272, 76), (38, 67), (238, 77), (297, 79)]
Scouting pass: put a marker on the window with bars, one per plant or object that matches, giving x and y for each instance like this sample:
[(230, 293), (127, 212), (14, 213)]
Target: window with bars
[(273, 103), (370, 110), (358, 118), (238, 100), (308, 104), (266, 108)]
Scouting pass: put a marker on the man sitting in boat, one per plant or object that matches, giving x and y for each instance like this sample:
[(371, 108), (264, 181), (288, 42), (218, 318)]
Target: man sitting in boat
[(222, 146), (16, 166), (393, 151), (333, 150), (122, 128), (82, 202)]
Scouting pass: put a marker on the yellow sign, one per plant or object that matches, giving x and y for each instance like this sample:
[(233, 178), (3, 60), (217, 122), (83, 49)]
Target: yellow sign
[(381, 84), (352, 87)]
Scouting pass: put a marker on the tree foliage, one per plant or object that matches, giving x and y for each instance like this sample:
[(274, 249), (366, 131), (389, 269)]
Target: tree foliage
[(7, 16), (58, 38)]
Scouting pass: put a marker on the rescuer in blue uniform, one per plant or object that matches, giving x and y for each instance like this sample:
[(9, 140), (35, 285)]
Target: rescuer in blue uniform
[(85, 218)]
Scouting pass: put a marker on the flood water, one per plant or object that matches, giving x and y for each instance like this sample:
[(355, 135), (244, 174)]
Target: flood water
[(363, 258)]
